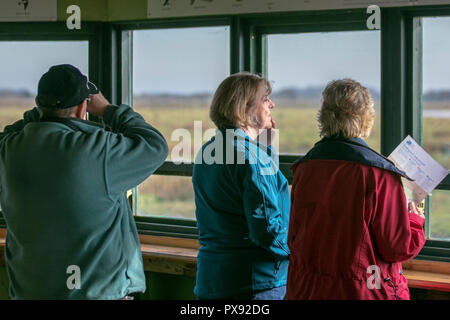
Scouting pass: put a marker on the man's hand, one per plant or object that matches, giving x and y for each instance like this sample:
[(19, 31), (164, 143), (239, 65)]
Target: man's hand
[(414, 209), (98, 104)]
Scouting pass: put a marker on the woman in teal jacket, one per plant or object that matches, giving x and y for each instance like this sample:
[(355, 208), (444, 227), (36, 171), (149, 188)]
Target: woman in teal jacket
[(241, 197)]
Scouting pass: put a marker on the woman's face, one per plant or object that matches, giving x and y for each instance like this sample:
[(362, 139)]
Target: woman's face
[(262, 108)]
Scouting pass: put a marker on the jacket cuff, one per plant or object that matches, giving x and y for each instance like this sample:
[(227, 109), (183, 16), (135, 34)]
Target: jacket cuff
[(415, 218)]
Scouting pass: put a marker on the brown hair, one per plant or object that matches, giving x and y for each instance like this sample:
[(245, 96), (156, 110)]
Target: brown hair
[(347, 110), (233, 101)]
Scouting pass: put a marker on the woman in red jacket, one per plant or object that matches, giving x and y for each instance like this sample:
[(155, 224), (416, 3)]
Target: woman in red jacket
[(350, 227)]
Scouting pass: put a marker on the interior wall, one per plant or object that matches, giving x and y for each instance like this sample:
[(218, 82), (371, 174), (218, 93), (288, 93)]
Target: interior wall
[(119, 10), (160, 286), (3, 283), (105, 10), (90, 10)]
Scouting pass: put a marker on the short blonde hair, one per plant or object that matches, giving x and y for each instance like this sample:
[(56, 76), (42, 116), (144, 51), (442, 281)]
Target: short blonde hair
[(347, 110), (233, 102)]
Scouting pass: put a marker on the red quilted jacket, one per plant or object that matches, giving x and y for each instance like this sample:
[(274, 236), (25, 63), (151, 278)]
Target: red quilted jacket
[(349, 231)]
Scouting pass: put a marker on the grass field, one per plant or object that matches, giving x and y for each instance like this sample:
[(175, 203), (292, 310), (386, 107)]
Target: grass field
[(173, 196)]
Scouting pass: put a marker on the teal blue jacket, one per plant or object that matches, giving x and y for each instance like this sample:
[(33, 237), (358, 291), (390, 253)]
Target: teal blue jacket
[(70, 229), (242, 209)]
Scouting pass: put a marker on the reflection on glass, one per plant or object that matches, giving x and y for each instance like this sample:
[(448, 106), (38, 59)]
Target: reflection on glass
[(300, 66), (22, 63), (175, 74)]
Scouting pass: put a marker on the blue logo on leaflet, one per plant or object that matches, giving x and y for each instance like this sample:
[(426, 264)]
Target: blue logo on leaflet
[(408, 142)]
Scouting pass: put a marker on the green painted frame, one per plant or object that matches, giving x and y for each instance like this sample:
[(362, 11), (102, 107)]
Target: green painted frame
[(401, 74), (57, 31), (400, 78), (122, 32), (433, 249), (93, 32), (110, 61)]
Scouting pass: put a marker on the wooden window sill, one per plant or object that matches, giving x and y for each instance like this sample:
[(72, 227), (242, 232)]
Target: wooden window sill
[(430, 275), (169, 255), (179, 257)]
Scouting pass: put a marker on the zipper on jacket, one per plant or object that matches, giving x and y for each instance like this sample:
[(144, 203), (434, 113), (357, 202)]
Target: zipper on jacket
[(393, 285), (277, 265)]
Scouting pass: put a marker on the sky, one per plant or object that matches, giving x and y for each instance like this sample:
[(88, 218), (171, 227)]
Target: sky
[(23, 63), (313, 59), (197, 59)]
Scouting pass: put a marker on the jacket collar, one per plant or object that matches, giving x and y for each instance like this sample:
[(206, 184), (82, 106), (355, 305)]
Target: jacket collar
[(74, 123), (350, 149)]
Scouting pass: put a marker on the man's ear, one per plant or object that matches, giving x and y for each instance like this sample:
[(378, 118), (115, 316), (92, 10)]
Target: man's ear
[(81, 110)]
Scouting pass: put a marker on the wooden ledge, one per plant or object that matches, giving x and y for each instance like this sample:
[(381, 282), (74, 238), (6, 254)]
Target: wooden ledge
[(430, 275), (169, 255), (179, 257)]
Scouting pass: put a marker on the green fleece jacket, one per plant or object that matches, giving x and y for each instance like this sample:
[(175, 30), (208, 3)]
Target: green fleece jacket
[(71, 232)]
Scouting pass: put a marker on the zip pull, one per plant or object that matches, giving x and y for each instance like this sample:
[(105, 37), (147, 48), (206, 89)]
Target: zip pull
[(394, 286), (277, 264)]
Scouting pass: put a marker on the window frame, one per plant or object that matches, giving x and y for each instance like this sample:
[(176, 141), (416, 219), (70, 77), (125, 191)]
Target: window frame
[(301, 22), (400, 76), (166, 226), (438, 250), (401, 110), (244, 29), (92, 32), (400, 81)]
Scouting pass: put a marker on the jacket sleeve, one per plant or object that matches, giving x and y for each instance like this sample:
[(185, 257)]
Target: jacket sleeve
[(263, 214), (398, 234), (32, 115), (134, 149)]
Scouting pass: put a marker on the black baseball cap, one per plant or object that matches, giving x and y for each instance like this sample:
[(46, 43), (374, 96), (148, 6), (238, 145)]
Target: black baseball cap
[(63, 86)]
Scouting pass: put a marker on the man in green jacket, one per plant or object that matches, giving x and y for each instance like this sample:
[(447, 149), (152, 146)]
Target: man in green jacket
[(63, 182)]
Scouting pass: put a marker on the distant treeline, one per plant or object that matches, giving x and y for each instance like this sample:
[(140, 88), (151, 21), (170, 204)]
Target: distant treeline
[(19, 93), (309, 93)]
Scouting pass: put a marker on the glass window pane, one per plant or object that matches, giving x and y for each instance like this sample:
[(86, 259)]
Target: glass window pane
[(175, 74), (436, 90), (300, 66), (167, 196), (22, 64), (436, 114), (440, 215)]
